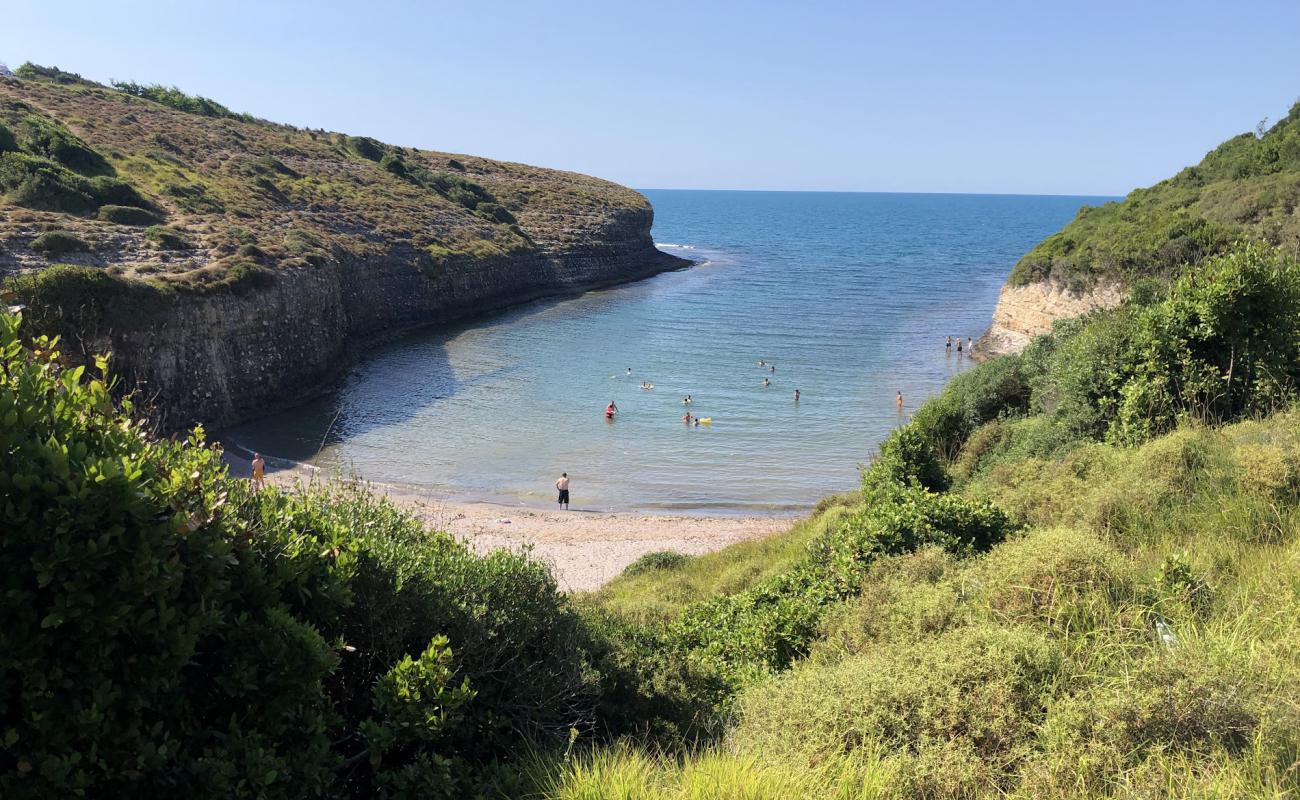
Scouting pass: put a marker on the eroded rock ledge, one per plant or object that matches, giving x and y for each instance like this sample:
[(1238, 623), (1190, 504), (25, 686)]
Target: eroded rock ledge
[(1024, 312)]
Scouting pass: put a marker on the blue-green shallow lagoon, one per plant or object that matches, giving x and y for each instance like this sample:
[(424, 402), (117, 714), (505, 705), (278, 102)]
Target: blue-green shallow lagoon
[(849, 295)]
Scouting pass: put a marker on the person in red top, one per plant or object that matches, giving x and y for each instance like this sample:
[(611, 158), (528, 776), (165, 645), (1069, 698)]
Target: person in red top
[(610, 410)]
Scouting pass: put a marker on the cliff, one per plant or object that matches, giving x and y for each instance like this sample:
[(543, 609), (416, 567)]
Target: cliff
[(234, 266), (1248, 188)]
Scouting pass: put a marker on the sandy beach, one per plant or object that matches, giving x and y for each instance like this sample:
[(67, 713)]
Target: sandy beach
[(585, 549)]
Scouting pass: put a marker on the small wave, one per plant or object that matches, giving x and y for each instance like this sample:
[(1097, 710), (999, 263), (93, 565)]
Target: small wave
[(674, 246)]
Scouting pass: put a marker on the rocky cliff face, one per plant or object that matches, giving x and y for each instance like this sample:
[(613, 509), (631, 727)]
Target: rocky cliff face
[(223, 357), (234, 266), (1024, 312)]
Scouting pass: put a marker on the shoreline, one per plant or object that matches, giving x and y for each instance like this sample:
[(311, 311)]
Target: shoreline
[(585, 549)]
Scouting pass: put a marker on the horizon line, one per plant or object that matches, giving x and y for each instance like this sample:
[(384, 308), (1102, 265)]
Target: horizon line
[(874, 191)]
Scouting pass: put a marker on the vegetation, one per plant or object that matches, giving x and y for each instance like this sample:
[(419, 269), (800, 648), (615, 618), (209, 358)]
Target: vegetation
[(58, 243), (74, 153), (1247, 187)]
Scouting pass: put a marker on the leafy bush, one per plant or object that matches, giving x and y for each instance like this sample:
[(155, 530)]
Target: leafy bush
[(44, 185), (391, 162), (970, 698), (46, 138), (8, 142), (30, 72), (164, 238), (366, 147), (57, 243), (994, 388), (199, 637), (495, 213), (127, 215), (173, 97), (658, 561), (132, 656)]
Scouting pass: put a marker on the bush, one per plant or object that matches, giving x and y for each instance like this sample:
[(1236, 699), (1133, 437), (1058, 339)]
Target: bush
[(164, 238), (57, 243), (495, 213), (1069, 581), (971, 698), (391, 162), (365, 147), (42, 184), (7, 141), (659, 561), (173, 97), (133, 659), (48, 139), (30, 72), (994, 388), (127, 215)]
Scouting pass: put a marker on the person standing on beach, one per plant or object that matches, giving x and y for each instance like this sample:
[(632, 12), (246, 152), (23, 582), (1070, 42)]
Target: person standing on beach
[(562, 486), (259, 471)]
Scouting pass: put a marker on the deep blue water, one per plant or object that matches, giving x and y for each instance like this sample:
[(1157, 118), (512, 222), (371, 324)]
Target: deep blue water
[(850, 296)]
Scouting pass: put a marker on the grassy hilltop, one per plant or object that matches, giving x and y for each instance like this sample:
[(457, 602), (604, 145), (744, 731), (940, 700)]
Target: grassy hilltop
[(1247, 187), (150, 183)]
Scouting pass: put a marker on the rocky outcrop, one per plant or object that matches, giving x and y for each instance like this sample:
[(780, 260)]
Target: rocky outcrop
[(227, 356), (1024, 312)]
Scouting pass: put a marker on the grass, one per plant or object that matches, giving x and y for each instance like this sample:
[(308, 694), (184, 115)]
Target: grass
[(660, 594), (1139, 639)]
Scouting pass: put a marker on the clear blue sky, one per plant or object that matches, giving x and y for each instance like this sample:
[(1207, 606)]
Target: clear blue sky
[(1034, 97)]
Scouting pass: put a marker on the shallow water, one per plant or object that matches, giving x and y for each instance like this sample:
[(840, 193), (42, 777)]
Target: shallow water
[(850, 296)]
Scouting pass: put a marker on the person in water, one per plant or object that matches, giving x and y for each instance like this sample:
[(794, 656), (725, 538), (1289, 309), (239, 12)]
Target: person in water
[(259, 470), (970, 346), (796, 395), (762, 363), (958, 344), (774, 367), (766, 383), (900, 400), (610, 410), (629, 372), (562, 486), (687, 418), (948, 344)]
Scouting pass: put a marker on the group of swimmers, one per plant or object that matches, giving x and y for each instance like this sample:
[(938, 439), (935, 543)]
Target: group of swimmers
[(690, 419), (970, 345)]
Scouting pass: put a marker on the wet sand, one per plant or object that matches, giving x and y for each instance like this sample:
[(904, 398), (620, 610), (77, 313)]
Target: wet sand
[(585, 549)]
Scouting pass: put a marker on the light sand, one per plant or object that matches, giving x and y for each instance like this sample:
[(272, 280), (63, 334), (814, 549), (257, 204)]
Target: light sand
[(585, 549)]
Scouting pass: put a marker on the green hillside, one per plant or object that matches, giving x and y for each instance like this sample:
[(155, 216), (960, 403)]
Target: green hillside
[(150, 183), (1247, 188)]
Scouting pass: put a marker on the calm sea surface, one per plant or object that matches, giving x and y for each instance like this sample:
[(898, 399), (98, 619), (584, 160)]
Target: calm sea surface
[(850, 296)]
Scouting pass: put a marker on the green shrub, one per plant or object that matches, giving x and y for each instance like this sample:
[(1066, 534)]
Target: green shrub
[(128, 215), (164, 238), (1066, 580), (391, 162), (7, 141), (30, 72), (44, 185), (43, 137), (659, 561), (173, 97), (906, 597), (994, 388), (133, 660), (980, 691), (57, 243), (908, 458), (495, 213), (365, 147)]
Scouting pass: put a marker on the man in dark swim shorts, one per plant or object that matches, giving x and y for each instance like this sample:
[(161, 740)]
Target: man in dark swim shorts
[(562, 485)]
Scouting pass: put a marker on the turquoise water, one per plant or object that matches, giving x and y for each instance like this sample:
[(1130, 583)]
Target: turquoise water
[(850, 296)]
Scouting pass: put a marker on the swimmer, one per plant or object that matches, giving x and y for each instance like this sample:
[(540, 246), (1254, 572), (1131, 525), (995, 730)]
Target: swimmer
[(900, 402), (610, 410), (629, 372), (762, 363), (796, 395), (687, 418), (774, 367), (766, 383)]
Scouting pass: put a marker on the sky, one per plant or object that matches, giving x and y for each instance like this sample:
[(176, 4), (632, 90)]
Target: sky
[(1042, 97)]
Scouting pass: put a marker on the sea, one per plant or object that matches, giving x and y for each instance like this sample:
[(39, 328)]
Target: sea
[(847, 297)]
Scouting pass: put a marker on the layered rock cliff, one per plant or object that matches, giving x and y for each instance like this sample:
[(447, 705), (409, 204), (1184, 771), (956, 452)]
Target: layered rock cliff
[(1024, 312), (234, 267)]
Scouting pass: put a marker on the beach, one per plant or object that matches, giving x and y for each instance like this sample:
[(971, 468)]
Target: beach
[(585, 549)]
